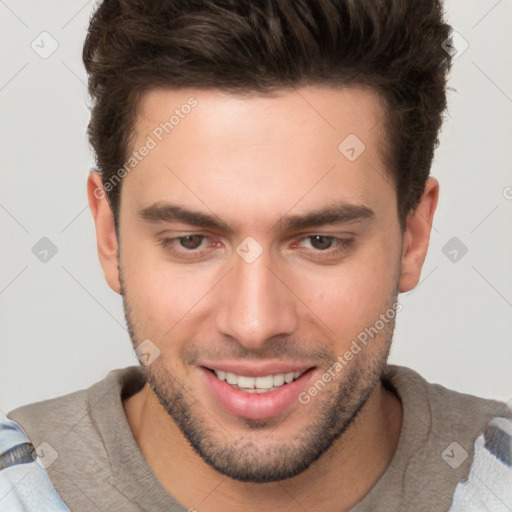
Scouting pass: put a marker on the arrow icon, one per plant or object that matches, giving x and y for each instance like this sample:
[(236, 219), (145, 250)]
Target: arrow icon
[(44, 44), (454, 455), (249, 249), (351, 147), (146, 352), (455, 45), (45, 455), (454, 249), (44, 250)]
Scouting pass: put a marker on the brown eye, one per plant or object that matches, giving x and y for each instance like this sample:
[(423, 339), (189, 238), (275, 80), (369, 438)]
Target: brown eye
[(191, 241), (321, 242)]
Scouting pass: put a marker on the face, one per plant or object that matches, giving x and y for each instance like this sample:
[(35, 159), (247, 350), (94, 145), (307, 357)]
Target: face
[(256, 247)]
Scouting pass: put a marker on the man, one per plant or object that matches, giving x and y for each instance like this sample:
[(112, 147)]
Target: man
[(262, 197)]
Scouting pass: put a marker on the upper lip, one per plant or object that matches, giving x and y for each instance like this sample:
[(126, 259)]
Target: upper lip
[(253, 369)]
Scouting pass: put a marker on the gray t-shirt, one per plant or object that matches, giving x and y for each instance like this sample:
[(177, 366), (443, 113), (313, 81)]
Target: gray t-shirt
[(100, 467)]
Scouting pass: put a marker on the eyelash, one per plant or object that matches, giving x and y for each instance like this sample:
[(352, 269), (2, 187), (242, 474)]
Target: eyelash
[(342, 246)]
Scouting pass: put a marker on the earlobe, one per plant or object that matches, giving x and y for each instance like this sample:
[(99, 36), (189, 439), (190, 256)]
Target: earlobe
[(417, 235), (106, 236)]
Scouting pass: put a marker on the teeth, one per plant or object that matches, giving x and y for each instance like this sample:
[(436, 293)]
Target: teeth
[(262, 382), (279, 379), (231, 378), (245, 382), (257, 384)]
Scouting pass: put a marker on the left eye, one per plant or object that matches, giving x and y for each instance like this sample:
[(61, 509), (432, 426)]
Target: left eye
[(321, 242), (191, 241), (183, 244)]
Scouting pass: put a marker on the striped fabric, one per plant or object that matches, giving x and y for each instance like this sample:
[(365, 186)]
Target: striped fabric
[(489, 485), (24, 483)]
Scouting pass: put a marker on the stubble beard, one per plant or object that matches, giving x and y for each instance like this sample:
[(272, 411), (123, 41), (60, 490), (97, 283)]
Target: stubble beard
[(248, 458)]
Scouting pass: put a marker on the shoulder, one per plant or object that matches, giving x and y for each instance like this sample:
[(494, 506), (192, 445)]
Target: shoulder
[(54, 419), (15, 447), (439, 430), (24, 483), (489, 485), (55, 414), (83, 432), (441, 406), (441, 424)]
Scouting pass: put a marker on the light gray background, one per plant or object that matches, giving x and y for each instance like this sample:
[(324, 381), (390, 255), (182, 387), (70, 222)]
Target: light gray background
[(63, 329)]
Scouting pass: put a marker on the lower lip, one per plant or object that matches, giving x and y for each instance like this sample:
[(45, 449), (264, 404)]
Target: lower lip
[(256, 406)]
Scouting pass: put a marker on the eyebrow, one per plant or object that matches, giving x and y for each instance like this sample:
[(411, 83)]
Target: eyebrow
[(337, 213), (167, 212)]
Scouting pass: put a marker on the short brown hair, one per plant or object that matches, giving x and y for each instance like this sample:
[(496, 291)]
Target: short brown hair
[(241, 46)]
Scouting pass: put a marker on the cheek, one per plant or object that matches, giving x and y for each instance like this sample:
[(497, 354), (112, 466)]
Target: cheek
[(348, 298), (162, 294)]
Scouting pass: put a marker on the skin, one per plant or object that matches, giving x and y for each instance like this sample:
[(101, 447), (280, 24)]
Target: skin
[(250, 162)]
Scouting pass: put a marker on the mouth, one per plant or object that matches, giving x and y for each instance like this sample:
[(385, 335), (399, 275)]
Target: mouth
[(256, 397), (264, 384)]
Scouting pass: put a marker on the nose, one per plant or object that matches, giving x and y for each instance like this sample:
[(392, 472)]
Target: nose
[(256, 303)]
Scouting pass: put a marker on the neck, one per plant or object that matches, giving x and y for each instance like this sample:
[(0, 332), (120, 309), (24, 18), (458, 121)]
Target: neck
[(354, 462)]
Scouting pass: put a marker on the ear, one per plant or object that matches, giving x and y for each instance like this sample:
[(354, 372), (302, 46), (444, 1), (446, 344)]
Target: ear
[(417, 236), (105, 230)]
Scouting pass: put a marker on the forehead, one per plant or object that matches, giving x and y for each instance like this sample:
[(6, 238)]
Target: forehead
[(289, 146), (283, 113)]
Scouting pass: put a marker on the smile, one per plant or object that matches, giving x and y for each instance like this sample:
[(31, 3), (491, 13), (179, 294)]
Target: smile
[(265, 395), (265, 384)]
